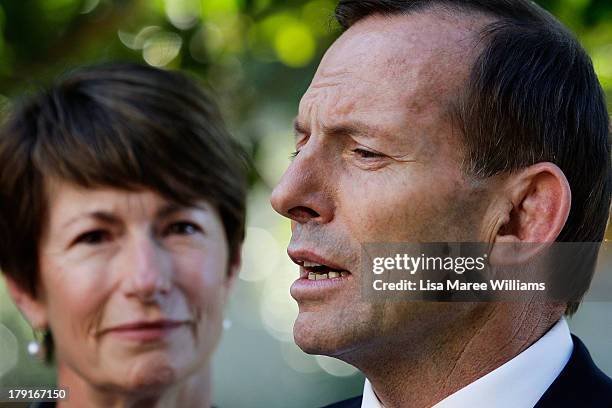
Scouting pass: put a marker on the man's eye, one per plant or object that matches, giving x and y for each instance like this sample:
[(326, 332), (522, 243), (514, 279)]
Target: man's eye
[(294, 154), (366, 154), (183, 228), (93, 237)]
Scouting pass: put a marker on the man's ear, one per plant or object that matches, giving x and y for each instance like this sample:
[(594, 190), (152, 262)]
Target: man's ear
[(33, 309), (538, 200)]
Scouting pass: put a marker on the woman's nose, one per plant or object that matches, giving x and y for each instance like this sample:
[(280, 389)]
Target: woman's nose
[(147, 270)]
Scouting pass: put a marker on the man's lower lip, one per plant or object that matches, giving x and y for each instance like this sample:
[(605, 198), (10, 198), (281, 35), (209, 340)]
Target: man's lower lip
[(146, 334), (305, 288)]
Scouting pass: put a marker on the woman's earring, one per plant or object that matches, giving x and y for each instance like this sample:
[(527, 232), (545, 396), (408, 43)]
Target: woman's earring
[(36, 347), (33, 348), (227, 324)]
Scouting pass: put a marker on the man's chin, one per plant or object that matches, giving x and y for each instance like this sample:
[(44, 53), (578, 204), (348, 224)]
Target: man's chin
[(318, 334)]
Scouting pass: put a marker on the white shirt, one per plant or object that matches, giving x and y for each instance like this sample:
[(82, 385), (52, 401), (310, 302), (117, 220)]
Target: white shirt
[(519, 383)]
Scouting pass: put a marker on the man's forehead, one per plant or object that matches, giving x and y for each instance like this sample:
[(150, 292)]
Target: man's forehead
[(405, 38), (407, 57)]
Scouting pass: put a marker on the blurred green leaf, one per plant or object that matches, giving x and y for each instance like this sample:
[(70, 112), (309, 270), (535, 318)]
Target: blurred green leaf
[(295, 44)]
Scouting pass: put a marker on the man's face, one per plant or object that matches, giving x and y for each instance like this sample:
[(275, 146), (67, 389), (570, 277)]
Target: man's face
[(377, 160)]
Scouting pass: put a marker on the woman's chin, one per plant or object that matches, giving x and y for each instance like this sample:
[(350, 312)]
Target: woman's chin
[(150, 374), (154, 366)]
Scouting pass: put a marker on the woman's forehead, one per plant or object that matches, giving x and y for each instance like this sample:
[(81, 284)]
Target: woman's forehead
[(67, 200)]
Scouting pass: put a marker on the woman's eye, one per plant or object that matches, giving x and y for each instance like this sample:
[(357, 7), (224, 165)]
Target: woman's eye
[(183, 228), (294, 154), (366, 154), (93, 237)]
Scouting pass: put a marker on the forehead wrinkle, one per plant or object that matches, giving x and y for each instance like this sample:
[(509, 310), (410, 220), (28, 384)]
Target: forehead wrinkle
[(330, 78), (327, 101), (328, 111)]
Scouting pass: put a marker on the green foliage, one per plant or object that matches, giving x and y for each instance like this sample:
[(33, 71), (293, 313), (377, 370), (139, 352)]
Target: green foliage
[(252, 39)]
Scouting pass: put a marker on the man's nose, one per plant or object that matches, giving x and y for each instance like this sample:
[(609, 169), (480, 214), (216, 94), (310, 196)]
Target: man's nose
[(147, 270), (304, 193)]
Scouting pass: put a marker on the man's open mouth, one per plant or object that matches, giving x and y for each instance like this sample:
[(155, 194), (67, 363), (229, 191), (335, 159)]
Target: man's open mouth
[(315, 267), (318, 271)]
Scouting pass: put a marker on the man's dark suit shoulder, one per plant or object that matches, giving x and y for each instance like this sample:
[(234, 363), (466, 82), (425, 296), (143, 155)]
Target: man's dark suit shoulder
[(580, 385)]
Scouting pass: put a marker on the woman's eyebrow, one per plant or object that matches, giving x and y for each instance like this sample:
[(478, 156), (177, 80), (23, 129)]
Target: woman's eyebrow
[(172, 208), (109, 218), (102, 216)]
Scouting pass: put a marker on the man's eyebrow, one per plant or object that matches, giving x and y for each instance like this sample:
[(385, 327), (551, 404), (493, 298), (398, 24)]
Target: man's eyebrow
[(349, 128), (353, 128), (299, 128)]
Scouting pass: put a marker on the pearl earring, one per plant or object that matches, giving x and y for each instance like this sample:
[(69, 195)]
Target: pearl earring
[(33, 348), (36, 346)]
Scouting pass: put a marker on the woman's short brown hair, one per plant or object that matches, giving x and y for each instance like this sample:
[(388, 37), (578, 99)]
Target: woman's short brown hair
[(125, 126)]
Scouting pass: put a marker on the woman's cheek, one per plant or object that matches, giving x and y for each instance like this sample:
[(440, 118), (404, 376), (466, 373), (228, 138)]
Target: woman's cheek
[(202, 276), (75, 294)]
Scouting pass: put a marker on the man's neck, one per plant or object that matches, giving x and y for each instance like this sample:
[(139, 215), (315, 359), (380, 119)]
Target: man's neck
[(423, 373)]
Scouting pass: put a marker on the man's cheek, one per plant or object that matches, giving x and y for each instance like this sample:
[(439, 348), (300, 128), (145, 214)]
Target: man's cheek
[(386, 223)]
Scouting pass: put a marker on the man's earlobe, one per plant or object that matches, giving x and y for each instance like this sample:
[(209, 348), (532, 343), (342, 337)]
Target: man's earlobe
[(540, 200), (34, 310)]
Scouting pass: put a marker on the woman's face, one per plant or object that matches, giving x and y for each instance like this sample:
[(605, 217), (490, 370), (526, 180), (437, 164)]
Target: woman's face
[(133, 286)]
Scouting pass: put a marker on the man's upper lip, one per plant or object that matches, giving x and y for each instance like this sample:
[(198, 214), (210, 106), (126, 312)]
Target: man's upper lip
[(146, 324), (298, 256)]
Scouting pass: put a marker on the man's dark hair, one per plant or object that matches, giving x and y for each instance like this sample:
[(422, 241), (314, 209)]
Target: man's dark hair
[(125, 126), (532, 96)]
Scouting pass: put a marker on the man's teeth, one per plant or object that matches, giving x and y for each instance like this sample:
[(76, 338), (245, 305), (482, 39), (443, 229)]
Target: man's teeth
[(329, 275), (319, 271)]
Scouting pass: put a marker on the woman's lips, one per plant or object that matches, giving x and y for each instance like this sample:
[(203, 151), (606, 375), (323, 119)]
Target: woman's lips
[(145, 331)]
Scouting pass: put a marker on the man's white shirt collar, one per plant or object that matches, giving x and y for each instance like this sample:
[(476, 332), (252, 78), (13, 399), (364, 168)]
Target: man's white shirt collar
[(519, 383)]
